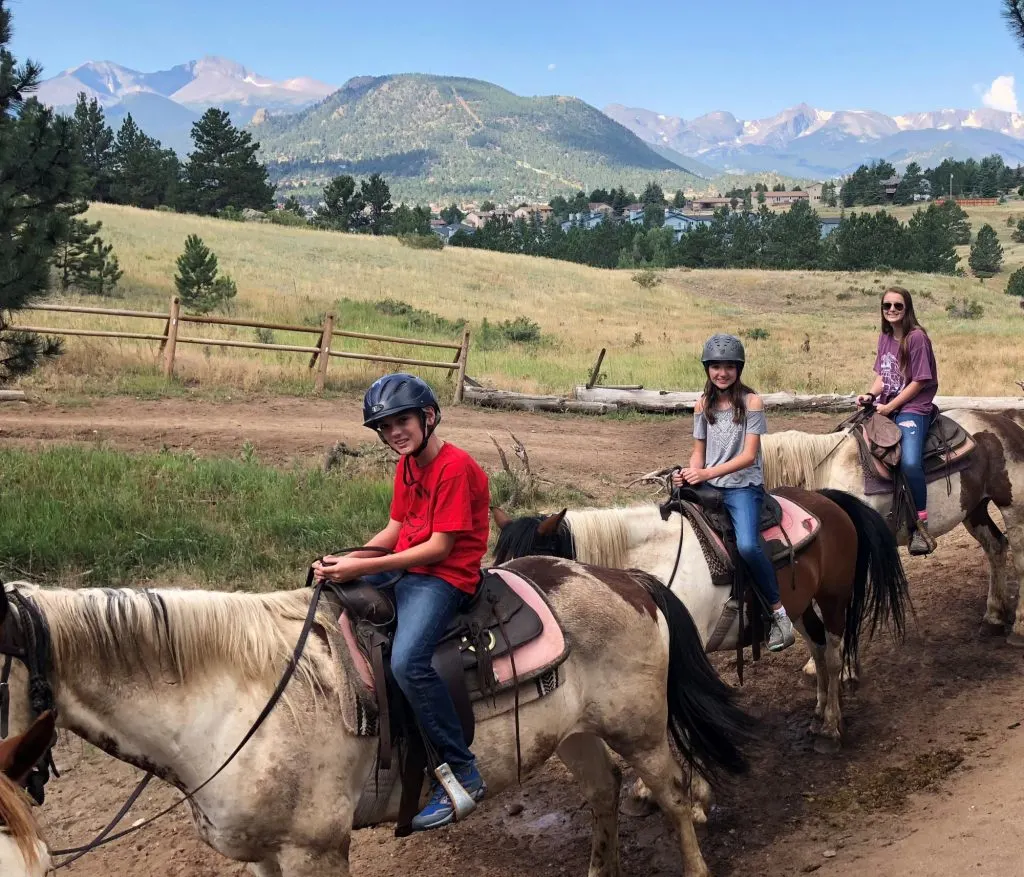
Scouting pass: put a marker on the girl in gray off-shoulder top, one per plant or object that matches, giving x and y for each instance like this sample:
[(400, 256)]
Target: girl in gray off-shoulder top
[(727, 427)]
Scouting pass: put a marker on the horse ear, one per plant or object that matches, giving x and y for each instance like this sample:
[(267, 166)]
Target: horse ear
[(500, 518), (549, 526), (19, 754)]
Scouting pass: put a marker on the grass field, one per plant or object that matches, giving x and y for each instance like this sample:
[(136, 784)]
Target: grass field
[(653, 336)]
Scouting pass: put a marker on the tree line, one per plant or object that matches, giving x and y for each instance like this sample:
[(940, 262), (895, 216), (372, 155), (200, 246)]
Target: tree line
[(988, 178)]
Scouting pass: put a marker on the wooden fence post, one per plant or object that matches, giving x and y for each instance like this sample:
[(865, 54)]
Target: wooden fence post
[(172, 337), (460, 375), (325, 352), (595, 374)]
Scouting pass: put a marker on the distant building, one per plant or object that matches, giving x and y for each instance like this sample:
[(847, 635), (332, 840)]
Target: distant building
[(588, 220), (777, 199), (530, 210)]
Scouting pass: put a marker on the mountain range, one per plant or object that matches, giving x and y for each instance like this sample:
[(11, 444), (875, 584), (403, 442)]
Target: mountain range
[(167, 102), (803, 141)]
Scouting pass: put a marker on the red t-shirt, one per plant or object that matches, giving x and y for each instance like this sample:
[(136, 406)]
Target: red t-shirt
[(448, 495)]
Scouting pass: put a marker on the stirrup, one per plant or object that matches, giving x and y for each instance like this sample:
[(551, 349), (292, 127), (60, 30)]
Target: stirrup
[(462, 802)]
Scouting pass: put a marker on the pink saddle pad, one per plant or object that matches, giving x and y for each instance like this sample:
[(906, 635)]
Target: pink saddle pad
[(799, 526), (531, 657)]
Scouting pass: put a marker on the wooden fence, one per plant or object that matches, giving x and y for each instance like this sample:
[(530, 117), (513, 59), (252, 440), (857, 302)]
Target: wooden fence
[(320, 353)]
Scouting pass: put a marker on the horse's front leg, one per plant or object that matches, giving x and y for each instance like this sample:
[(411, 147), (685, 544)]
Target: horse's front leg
[(832, 719)]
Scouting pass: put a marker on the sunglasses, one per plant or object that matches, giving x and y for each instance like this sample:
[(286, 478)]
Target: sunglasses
[(892, 306)]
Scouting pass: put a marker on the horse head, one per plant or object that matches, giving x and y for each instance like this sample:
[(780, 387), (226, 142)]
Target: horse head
[(532, 535)]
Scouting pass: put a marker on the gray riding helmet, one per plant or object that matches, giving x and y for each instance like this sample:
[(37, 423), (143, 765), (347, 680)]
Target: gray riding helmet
[(723, 348)]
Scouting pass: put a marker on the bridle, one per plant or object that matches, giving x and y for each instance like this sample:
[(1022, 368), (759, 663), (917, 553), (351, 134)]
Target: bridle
[(30, 644)]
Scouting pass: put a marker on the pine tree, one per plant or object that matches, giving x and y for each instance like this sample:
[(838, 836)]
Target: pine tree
[(223, 171), (96, 148), (451, 214), (200, 288), (1016, 284), (70, 256), (377, 196), (679, 199), (653, 194), (342, 205), (931, 242), (102, 271), (145, 175), (986, 253), (40, 172)]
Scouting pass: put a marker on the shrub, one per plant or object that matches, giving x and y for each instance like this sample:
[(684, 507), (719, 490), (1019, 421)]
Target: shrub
[(421, 241), (964, 309), (1016, 284), (414, 318), (287, 217), (648, 278), (844, 296), (756, 334), (521, 330)]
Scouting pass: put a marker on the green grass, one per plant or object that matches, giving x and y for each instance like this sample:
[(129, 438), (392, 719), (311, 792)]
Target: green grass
[(97, 517)]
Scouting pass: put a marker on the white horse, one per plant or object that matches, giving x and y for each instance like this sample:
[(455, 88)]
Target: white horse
[(995, 473), (22, 851), (170, 681)]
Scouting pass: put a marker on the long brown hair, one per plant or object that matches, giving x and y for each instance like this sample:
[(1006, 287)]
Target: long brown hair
[(908, 324), (736, 394)]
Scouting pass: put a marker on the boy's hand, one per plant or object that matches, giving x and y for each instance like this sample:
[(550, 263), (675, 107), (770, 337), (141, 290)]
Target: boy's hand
[(694, 476), (338, 569)]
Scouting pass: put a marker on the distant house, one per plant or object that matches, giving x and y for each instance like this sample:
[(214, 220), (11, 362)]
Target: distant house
[(828, 226), (480, 218), (777, 199), (446, 232), (633, 208), (600, 207), (530, 210), (584, 220), (814, 192), (681, 223), (890, 186), (713, 203)]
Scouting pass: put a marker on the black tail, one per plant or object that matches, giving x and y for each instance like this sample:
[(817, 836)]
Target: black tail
[(880, 588), (703, 718)]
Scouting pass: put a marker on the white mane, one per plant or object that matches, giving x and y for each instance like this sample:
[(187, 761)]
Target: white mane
[(799, 459), (187, 633), (601, 536)]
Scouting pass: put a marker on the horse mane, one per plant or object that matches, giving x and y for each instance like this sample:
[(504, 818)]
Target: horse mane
[(16, 821), (188, 633), (601, 536), (799, 459), (519, 537)]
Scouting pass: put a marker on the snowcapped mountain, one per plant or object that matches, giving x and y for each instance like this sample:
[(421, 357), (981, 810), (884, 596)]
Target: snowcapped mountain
[(210, 81), (805, 141)]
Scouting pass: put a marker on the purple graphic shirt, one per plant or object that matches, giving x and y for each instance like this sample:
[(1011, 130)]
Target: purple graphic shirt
[(922, 368)]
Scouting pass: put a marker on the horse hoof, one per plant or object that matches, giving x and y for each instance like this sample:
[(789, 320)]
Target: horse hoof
[(826, 746), (1016, 640), (989, 629), (639, 808)]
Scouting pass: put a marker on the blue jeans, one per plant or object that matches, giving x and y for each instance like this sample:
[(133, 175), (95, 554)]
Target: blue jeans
[(426, 605), (744, 505), (915, 430)]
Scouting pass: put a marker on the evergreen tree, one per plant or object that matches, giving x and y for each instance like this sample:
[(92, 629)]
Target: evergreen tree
[(102, 271), (654, 216), (679, 199), (986, 253), (779, 187), (293, 205), (451, 214), (653, 194), (40, 171), (487, 206), (71, 255), (796, 237), (956, 219), (144, 174), (828, 194), (377, 196), (909, 185), (1016, 284), (410, 220), (342, 206), (579, 203), (200, 288), (223, 171), (931, 242), (96, 148), (1018, 232), (600, 196)]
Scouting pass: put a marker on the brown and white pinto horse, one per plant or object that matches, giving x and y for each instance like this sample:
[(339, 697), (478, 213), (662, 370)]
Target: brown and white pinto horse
[(995, 473), (850, 573)]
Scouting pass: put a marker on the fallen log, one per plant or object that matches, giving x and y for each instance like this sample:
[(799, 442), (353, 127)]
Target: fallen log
[(665, 401), (12, 396), (529, 402)]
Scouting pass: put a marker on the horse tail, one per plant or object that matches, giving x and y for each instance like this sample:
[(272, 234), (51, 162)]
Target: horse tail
[(708, 727), (880, 588)]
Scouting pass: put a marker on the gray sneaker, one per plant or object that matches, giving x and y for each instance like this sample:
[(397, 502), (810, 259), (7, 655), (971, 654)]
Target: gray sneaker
[(919, 543), (781, 635)]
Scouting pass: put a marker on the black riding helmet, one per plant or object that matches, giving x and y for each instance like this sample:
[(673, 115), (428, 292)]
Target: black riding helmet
[(723, 348), (393, 394)]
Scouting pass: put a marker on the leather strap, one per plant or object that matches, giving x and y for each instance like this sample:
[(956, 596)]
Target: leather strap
[(380, 684)]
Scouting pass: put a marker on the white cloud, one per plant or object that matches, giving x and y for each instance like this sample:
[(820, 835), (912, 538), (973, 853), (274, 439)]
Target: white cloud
[(1001, 95), (552, 66)]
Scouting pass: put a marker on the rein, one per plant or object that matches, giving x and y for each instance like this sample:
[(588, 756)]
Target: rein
[(30, 661)]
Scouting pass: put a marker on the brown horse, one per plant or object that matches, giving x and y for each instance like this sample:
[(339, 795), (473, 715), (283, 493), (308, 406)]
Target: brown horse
[(850, 573)]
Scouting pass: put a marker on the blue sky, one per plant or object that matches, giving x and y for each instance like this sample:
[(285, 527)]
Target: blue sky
[(682, 57)]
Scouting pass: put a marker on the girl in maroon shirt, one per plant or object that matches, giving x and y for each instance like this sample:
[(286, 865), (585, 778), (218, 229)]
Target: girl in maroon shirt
[(906, 381)]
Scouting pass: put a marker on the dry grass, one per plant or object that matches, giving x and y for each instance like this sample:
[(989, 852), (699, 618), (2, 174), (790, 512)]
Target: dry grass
[(654, 336)]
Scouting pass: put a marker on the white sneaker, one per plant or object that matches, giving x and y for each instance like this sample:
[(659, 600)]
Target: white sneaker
[(781, 635)]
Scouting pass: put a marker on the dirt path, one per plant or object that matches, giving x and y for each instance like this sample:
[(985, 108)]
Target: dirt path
[(930, 781)]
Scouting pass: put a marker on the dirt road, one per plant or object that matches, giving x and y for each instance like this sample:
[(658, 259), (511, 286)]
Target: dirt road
[(930, 781)]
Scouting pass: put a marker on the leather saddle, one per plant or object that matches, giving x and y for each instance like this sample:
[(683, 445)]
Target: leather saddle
[(947, 445)]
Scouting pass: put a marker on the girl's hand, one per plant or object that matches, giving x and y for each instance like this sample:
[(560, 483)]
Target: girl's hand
[(694, 476), (338, 569), (865, 399), (885, 410)]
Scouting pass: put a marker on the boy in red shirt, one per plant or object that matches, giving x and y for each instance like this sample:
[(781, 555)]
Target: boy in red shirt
[(438, 532)]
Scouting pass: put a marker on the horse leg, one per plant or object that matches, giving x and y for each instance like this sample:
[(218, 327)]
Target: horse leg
[(661, 772), (589, 761), (1014, 518), (303, 862), (267, 868), (992, 541), (810, 628), (639, 800), (832, 719)]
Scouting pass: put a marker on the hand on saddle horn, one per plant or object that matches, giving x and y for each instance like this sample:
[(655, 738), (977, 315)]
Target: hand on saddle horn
[(338, 569), (689, 476)]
